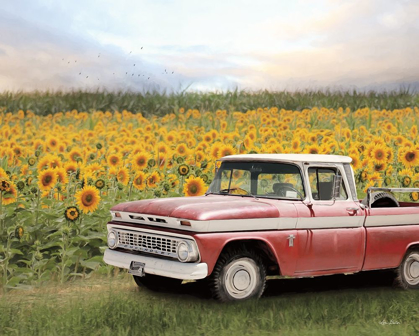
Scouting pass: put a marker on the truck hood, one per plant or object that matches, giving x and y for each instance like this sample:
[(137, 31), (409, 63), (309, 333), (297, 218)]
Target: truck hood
[(211, 207)]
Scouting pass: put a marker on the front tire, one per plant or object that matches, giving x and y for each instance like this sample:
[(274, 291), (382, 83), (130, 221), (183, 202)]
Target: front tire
[(409, 270), (157, 283), (238, 275)]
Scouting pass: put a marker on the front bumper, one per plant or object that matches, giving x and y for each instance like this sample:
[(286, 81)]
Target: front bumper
[(166, 268)]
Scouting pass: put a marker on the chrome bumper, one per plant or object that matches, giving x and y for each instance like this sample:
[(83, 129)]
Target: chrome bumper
[(167, 268)]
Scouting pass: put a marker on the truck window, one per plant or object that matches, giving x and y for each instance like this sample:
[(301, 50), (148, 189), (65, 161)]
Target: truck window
[(321, 184), (264, 179)]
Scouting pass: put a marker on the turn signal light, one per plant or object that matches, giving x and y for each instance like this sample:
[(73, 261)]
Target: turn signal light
[(186, 223), (117, 214)]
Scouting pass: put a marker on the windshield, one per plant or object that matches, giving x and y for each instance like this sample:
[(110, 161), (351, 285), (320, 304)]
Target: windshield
[(261, 179)]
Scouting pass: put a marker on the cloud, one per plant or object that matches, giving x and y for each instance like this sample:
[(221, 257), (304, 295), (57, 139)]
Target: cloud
[(268, 44)]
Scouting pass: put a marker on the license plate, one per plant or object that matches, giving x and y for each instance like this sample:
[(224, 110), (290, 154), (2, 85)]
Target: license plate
[(136, 268)]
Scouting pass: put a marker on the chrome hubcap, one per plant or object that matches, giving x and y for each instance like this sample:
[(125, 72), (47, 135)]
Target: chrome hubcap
[(414, 269), (411, 269), (241, 278)]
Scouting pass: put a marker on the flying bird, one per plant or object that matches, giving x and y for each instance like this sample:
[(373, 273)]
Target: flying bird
[(87, 76), (79, 73)]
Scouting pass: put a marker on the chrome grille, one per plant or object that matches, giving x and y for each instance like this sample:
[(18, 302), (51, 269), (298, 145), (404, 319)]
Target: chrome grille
[(146, 242)]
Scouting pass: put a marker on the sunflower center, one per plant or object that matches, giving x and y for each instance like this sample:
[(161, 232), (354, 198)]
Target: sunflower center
[(88, 199), (72, 213), (379, 154), (410, 156), (193, 189), (48, 179)]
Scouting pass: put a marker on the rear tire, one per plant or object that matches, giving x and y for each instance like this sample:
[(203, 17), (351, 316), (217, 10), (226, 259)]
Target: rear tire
[(157, 283), (408, 271), (238, 275)]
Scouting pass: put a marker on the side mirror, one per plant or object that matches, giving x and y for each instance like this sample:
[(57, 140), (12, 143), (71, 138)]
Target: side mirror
[(337, 182)]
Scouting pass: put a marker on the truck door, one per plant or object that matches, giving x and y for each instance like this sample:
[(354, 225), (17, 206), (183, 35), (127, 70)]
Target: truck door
[(331, 237)]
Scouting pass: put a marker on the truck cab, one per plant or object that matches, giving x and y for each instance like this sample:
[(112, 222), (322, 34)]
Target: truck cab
[(293, 215)]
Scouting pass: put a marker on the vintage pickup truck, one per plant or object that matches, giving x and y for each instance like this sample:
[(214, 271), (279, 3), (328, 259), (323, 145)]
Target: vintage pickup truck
[(291, 215)]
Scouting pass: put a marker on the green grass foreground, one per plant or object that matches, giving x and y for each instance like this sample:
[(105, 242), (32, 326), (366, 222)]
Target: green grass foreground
[(335, 305), (161, 103)]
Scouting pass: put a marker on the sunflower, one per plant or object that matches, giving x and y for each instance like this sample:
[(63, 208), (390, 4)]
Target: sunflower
[(114, 160), (71, 168), (207, 137), (72, 213), (295, 145), (88, 199), (122, 175), (153, 179), (52, 143), (387, 181), (406, 180), (226, 150), (151, 162), (4, 185), (19, 232), (140, 160), (173, 180), (356, 162), (183, 170), (20, 185), (61, 175), (3, 173), (215, 148), (312, 149), (29, 180), (100, 184), (180, 160), (75, 154), (363, 176), (378, 154), (9, 196), (194, 186), (47, 179), (414, 196), (409, 157), (182, 149), (31, 161), (139, 181)]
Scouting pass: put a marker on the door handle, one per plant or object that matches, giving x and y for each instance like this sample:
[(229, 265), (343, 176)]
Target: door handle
[(354, 210)]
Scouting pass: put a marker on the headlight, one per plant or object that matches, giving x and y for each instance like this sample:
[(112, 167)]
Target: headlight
[(112, 239), (186, 251)]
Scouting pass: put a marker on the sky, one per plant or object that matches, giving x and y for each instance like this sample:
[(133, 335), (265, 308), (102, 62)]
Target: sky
[(175, 45)]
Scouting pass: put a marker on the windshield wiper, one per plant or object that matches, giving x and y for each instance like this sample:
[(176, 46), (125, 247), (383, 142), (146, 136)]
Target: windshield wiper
[(227, 192)]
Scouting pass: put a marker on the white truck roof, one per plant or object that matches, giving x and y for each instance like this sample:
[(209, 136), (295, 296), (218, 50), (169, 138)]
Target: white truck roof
[(289, 157)]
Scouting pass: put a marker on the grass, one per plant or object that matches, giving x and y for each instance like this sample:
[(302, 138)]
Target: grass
[(335, 305), (161, 103)]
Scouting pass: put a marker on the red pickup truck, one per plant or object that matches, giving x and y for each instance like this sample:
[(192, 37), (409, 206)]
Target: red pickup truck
[(291, 215)]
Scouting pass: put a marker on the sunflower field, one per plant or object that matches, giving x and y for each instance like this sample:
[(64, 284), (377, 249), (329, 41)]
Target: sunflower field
[(61, 173)]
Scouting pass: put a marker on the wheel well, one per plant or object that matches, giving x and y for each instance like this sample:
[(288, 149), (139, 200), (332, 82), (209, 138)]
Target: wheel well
[(262, 248), (412, 247)]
